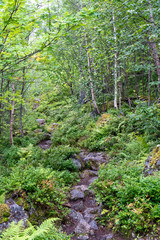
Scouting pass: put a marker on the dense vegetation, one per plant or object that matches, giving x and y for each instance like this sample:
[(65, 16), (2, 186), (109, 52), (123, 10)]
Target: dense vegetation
[(91, 69)]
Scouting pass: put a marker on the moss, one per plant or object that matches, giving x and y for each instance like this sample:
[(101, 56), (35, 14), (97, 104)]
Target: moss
[(4, 210), (5, 219), (103, 119), (20, 201), (155, 156)]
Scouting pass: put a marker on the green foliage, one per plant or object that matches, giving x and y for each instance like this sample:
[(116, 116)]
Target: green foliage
[(130, 200), (145, 120), (40, 185), (46, 231), (59, 158)]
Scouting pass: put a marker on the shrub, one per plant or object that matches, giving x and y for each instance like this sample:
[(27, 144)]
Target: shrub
[(130, 200)]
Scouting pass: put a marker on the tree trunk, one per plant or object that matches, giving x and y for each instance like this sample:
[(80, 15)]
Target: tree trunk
[(149, 87), (115, 63), (12, 116), (91, 81), (153, 47), (21, 106), (1, 105)]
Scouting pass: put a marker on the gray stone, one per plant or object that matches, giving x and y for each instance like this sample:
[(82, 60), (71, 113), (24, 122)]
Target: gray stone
[(77, 163), (90, 214), (83, 227), (92, 210), (83, 188), (83, 237), (92, 179), (76, 215), (76, 194), (109, 236), (41, 121), (78, 206), (93, 225), (93, 160), (89, 173), (152, 163)]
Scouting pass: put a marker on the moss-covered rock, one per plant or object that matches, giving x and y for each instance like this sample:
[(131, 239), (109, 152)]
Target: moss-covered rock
[(4, 211), (103, 119), (153, 161)]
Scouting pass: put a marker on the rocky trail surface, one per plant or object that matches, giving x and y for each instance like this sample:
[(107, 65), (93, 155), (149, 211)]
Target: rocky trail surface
[(81, 222)]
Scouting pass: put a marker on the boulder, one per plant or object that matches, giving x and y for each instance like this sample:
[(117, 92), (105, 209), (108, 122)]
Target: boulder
[(41, 121), (152, 163), (76, 215), (90, 214), (78, 205), (77, 163), (83, 237), (93, 225), (88, 173), (76, 194), (82, 228), (83, 188), (93, 159)]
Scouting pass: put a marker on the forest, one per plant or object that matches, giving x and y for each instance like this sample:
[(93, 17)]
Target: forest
[(79, 119)]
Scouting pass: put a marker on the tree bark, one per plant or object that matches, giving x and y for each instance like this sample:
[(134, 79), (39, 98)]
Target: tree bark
[(91, 81), (1, 105), (115, 63), (12, 115), (153, 47)]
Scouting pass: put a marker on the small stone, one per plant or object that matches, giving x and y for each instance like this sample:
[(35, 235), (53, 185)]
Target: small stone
[(75, 215), (83, 227), (90, 214), (93, 225), (92, 179), (76, 194), (89, 173), (83, 237), (133, 235), (41, 121), (83, 188), (78, 206), (109, 236), (77, 163)]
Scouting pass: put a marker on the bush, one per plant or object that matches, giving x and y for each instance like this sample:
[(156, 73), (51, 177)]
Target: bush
[(130, 200)]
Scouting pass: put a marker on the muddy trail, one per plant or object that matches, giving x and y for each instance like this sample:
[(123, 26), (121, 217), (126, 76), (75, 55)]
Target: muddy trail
[(81, 222)]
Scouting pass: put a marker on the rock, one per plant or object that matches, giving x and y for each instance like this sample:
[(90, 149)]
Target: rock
[(75, 215), (90, 214), (83, 237), (109, 236), (83, 227), (38, 130), (88, 173), (16, 213), (83, 188), (41, 121), (77, 163), (45, 144), (93, 225), (51, 128), (133, 235), (76, 194), (92, 179), (78, 206), (152, 163), (93, 160)]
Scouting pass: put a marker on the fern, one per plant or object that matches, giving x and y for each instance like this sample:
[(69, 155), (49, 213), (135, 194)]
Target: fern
[(45, 231)]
